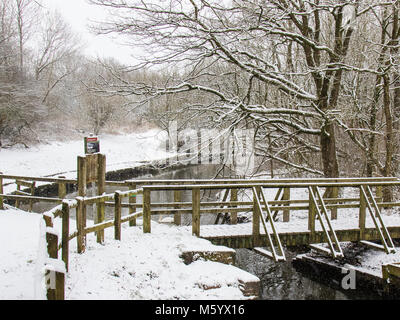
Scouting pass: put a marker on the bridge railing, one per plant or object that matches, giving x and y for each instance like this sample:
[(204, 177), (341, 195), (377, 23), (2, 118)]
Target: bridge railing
[(196, 207)]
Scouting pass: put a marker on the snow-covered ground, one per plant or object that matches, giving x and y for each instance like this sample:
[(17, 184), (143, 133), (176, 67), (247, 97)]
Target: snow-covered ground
[(141, 266), (59, 158)]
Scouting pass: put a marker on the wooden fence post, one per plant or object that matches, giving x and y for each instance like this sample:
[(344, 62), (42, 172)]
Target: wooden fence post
[(177, 215), (335, 195), (196, 211), (117, 216), (362, 214), (81, 243), (132, 200), (101, 188), (256, 219), (62, 188), (311, 215), (146, 211), (234, 197), (56, 285), (286, 212), (65, 234), (1, 192)]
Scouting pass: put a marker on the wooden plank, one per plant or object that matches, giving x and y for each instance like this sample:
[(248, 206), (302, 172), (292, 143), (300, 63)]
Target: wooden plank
[(270, 181), (196, 212), (269, 185)]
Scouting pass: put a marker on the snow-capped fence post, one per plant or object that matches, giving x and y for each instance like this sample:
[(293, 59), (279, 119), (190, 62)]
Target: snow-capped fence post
[(65, 234), (177, 215), (132, 200), (286, 212), (146, 211), (1, 192), (117, 215), (196, 211)]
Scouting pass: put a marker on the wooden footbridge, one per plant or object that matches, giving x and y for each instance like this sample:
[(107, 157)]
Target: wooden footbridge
[(267, 236)]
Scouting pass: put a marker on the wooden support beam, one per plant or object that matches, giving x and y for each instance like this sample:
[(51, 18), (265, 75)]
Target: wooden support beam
[(256, 220), (146, 211), (335, 195), (62, 188), (65, 234), (234, 197), (196, 211), (362, 215), (312, 212), (132, 200), (101, 189), (117, 216), (286, 212), (80, 215), (177, 215)]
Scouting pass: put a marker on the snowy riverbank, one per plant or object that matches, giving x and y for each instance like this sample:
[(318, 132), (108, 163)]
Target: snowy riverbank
[(141, 266)]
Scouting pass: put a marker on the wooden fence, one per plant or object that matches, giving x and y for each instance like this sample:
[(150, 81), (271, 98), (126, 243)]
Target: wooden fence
[(229, 205)]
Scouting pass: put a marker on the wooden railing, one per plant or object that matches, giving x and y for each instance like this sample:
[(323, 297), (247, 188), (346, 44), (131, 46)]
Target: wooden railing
[(195, 207), (63, 211)]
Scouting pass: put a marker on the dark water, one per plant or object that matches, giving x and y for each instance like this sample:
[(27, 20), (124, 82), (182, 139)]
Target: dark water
[(279, 281)]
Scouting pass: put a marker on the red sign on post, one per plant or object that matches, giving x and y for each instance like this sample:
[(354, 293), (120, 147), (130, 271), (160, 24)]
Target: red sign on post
[(92, 145)]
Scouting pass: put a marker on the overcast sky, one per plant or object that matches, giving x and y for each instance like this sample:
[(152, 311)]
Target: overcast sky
[(78, 14)]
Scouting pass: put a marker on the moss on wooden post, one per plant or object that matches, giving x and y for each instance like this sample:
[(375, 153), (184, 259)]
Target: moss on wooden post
[(146, 211), (196, 211)]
